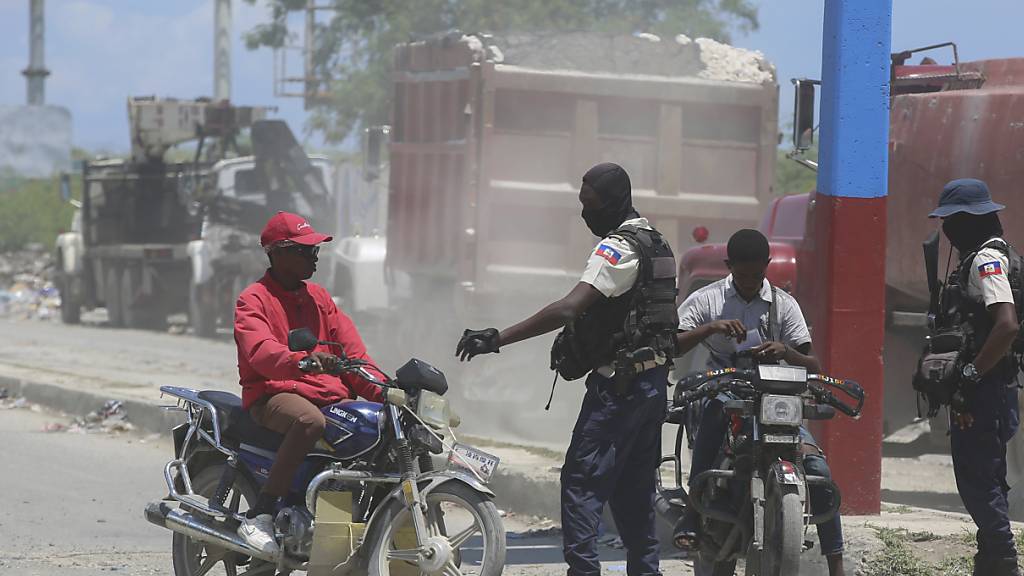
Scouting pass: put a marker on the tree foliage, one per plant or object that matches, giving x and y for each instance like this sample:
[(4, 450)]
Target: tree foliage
[(354, 47), (792, 178)]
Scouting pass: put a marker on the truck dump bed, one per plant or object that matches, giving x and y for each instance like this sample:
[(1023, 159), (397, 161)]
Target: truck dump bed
[(491, 136), (940, 136)]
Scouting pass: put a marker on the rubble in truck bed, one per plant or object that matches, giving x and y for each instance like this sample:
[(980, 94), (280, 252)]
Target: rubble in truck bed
[(641, 54)]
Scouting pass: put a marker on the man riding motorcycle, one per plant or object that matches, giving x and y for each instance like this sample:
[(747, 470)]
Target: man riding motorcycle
[(279, 395), (744, 311)]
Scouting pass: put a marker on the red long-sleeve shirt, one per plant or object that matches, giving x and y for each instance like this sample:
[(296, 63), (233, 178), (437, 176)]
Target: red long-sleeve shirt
[(264, 314)]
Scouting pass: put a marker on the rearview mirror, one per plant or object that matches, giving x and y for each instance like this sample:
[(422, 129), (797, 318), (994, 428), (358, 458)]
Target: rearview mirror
[(803, 113), (374, 140), (65, 187), (301, 340)]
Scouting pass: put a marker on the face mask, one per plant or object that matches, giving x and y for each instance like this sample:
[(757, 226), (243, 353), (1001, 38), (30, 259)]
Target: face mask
[(964, 234), (601, 222)]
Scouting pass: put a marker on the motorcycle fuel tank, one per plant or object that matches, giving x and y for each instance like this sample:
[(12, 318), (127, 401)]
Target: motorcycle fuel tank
[(353, 428)]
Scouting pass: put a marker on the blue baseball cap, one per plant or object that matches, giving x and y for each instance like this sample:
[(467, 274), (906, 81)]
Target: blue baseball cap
[(965, 195)]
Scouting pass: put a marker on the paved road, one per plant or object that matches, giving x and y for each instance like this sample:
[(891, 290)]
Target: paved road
[(72, 505)]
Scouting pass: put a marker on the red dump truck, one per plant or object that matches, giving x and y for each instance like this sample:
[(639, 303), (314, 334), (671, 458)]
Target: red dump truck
[(491, 135), (946, 122)]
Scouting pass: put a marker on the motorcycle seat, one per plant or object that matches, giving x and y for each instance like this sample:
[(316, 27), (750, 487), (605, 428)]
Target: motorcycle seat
[(236, 426)]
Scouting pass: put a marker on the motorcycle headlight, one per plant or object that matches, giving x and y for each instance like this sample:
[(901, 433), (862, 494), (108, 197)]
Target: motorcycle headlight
[(433, 409), (781, 410)]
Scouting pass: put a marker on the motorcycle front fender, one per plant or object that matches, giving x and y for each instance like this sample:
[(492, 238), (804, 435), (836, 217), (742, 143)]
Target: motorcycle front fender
[(429, 482)]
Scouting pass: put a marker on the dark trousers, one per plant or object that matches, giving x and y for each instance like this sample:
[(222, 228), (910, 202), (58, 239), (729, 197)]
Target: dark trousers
[(302, 424), (979, 463), (710, 436), (613, 457)]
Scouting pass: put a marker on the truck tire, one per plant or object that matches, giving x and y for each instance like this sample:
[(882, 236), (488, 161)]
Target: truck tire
[(201, 315), (112, 296), (70, 307)]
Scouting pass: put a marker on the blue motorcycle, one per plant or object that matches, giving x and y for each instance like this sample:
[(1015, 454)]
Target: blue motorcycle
[(402, 513)]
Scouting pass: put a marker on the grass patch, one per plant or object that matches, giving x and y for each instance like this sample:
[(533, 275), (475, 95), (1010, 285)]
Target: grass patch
[(898, 558), (901, 509)]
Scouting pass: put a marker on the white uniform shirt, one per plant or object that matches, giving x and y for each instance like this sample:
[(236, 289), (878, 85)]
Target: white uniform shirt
[(988, 282), (721, 301), (613, 265), (613, 268)]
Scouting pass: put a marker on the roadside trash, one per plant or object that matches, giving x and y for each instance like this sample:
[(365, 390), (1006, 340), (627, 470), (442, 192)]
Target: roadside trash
[(55, 427), (26, 285), (111, 418), (8, 403)]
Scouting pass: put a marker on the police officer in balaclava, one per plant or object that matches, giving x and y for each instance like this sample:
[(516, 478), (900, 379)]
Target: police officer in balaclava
[(616, 444)]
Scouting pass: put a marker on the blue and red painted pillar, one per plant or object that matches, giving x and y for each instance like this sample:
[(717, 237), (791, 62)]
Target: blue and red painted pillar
[(850, 223)]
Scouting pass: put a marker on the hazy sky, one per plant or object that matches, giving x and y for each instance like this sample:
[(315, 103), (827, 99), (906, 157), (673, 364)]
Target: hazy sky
[(101, 51)]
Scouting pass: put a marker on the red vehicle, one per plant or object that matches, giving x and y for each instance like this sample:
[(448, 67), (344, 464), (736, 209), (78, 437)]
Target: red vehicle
[(946, 122)]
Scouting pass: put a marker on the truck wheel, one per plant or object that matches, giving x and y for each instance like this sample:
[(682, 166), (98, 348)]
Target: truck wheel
[(112, 296), (200, 314), (70, 307)]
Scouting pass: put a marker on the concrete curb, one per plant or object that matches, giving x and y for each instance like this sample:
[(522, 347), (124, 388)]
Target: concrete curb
[(147, 418)]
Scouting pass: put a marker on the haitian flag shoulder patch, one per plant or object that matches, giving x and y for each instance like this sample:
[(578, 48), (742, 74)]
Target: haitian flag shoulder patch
[(994, 268), (608, 253)]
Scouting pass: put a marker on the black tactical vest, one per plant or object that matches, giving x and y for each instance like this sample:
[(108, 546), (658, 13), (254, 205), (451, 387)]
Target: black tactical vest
[(957, 309), (635, 331)]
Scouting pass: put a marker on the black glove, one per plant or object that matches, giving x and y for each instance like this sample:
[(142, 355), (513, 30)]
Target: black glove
[(475, 342)]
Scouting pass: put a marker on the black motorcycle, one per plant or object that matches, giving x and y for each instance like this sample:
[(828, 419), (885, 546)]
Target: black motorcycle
[(753, 503)]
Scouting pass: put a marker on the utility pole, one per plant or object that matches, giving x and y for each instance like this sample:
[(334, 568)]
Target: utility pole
[(36, 72), (221, 50)]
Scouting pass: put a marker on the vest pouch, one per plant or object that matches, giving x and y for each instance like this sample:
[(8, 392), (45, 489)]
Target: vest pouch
[(952, 341), (937, 378), (566, 359)]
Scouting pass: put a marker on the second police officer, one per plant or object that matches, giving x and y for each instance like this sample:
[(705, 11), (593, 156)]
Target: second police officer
[(978, 298)]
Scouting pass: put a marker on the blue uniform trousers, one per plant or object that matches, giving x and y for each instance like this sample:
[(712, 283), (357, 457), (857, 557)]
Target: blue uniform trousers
[(979, 463), (613, 457)]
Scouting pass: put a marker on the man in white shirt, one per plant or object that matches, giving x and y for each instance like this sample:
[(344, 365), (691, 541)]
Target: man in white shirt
[(741, 311)]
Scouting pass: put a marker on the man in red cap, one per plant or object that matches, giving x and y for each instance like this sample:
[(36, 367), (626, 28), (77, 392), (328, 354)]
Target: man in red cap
[(276, 392)]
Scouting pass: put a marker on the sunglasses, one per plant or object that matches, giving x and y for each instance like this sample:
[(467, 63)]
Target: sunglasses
[(302, 250)]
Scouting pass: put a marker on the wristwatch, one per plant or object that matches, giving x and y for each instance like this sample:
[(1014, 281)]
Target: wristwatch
[(970, 373)]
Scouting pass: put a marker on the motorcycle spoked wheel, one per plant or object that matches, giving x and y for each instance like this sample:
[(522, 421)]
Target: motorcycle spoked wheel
[(783, 531), (465, 516), (194, 558)]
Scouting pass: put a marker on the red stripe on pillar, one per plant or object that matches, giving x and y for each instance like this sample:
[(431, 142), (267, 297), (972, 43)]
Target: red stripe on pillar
[(846, 303)]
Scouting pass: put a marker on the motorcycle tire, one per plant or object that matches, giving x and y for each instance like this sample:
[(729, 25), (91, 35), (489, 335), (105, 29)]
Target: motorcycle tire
[(187, 555), (486, 519), (783, 531)]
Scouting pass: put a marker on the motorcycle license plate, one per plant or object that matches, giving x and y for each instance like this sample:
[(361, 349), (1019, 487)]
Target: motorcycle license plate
[(463, 457)]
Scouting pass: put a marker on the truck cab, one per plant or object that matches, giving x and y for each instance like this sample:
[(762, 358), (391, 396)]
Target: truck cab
[(783, 224)]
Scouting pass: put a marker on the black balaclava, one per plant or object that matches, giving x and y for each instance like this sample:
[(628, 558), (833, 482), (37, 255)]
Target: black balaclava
[(967, 232), (611, 183)]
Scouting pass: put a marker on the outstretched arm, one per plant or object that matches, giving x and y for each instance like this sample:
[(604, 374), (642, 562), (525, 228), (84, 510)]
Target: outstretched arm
[(553, 316)]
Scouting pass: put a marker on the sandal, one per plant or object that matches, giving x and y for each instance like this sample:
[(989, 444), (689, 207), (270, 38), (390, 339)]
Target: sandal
[(684, 534)]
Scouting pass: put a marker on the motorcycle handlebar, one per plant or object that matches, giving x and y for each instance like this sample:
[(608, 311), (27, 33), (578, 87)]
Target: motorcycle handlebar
[(349, 365), (701, 384)]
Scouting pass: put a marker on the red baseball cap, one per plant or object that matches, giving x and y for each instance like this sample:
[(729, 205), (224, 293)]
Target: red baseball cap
[(291, 227)]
